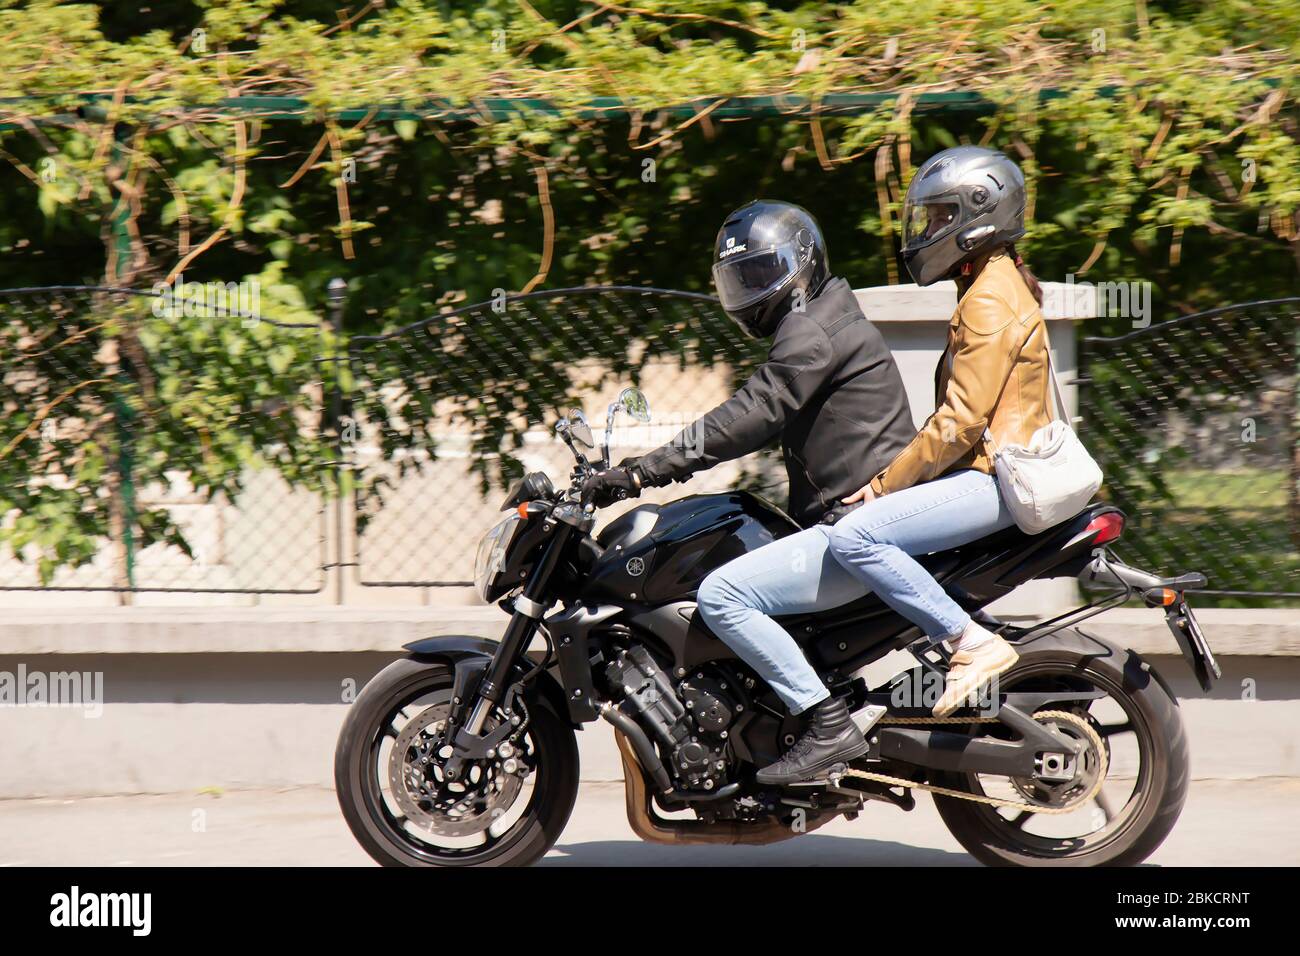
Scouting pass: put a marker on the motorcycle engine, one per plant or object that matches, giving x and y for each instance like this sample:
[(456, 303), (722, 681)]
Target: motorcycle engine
[(689, 721)]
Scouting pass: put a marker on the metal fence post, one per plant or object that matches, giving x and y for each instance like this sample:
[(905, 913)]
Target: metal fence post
[(338, 293), (123, 413), (1293, 491)]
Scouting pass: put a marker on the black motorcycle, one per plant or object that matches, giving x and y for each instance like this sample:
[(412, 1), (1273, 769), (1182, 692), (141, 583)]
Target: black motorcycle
[(463, 753)]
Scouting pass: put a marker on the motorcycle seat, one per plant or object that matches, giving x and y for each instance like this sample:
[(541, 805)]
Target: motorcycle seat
[(1010, 546)]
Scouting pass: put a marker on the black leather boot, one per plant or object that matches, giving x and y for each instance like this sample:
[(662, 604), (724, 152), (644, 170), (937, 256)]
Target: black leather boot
[(832, 737)]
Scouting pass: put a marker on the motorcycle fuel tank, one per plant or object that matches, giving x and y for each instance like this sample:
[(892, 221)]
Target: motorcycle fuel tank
[(660, 553)]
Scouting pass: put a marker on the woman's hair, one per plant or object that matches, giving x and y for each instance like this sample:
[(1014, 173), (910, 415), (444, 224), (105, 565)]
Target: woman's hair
[(1031, 280)]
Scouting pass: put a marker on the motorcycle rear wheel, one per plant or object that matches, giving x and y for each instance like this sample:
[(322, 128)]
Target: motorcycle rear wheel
[(403, 693), (1131, 832)]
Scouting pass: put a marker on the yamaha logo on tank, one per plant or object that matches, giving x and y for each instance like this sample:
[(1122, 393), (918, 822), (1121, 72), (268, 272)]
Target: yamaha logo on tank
[(636, 567)]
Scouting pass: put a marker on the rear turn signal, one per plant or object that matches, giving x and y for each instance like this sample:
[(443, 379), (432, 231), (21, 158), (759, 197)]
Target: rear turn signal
[(1108, 526), (1161, 597)]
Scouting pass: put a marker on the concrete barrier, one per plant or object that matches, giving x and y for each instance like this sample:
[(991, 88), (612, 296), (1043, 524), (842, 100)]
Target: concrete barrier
[(233, 698)]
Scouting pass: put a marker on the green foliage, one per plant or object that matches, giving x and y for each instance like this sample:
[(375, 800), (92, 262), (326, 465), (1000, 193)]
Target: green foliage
[(102, 390), (435, 153), (1153, 133)]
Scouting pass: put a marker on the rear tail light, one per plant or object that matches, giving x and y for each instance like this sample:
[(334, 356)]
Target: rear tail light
[(1108, 526)]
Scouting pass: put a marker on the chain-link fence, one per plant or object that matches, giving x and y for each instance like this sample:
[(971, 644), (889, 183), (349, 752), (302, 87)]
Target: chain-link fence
[(448, 411), (1196, 424), (158, 442), (149, 446)]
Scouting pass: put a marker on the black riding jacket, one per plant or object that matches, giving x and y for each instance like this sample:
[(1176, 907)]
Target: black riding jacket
[(829, 388)]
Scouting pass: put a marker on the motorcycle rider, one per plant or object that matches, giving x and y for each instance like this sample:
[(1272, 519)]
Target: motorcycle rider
[(963, 212), (832, 392)]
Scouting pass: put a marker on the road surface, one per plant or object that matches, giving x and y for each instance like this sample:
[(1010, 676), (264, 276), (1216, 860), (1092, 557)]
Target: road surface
[(1248, 823)]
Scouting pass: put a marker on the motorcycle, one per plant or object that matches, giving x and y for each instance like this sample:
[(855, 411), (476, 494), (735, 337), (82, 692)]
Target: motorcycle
[(464, 753)]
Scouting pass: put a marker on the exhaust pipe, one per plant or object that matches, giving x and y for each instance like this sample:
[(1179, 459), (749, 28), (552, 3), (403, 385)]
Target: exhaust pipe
[(629, 730), (652, 828)]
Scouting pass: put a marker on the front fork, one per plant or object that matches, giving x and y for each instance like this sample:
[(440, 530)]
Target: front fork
[(469, 711)]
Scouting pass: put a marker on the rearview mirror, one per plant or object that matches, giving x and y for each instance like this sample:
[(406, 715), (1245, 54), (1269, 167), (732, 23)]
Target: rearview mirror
[(580, 430), (631, 400), (635, 403)]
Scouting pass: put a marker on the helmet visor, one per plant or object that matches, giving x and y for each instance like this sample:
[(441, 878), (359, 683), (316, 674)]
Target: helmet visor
[(926, 221), (743, 279)]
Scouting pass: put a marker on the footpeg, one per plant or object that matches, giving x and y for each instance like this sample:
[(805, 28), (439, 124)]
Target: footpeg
[(830, 777), (868, 716)]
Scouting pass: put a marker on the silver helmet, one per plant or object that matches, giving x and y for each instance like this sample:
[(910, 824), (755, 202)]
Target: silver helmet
[(962, 202)]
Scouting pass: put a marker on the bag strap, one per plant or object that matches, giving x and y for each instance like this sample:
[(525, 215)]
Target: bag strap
[(1062, 413), (1057, 408)]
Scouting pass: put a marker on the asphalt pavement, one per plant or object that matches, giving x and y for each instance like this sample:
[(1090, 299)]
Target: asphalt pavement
[(1246, 822)]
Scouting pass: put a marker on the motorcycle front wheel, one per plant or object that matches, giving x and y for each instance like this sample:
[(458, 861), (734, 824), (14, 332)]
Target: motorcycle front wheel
[(506, 811), (1146, 761)]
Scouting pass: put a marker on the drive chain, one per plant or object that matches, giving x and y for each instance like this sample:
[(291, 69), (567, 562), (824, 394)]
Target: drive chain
[(1094, 740)]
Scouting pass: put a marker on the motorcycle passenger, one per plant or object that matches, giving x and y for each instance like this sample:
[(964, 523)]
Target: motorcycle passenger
[(963, 211), (831, 391)]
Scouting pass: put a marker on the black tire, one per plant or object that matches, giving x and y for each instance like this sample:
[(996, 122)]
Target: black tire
[(555, 776), (1162, 783)]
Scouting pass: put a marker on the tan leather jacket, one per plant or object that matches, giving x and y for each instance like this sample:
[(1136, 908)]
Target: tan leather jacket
[(993, 375)]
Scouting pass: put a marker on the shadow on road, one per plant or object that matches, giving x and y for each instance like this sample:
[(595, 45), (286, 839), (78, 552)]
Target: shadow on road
[(811, 850)]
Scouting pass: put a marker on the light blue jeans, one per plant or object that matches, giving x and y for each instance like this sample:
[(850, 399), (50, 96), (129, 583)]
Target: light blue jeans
[(870, 549), (877, 543)]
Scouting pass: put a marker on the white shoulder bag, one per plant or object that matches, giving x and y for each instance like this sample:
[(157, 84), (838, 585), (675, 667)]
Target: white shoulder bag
[(1051, 479)]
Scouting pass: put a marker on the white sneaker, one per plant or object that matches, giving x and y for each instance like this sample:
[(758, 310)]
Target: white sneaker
[(969, 671)]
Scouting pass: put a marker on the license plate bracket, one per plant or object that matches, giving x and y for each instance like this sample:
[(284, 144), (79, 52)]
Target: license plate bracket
[(1191, 639)]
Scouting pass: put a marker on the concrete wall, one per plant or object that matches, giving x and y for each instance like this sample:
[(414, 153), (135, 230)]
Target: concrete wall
[(233, 721), (244, 698)]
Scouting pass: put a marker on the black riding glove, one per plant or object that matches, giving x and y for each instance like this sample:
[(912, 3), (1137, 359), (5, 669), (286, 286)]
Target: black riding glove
[(613, 484)]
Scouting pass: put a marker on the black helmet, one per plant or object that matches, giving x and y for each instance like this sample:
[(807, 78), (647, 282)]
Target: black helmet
[(766, 253)]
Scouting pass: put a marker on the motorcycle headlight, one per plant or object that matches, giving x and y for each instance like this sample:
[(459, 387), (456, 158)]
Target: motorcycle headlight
[(491, 555)]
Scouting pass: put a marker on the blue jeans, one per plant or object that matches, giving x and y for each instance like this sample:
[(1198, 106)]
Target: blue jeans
[(823, 568), (876, 543), (794, 575)]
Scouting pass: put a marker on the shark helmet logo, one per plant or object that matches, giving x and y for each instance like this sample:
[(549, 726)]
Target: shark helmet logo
[(730, 248)]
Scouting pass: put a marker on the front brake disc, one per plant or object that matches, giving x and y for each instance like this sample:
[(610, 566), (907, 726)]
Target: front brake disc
[(446, 808)]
